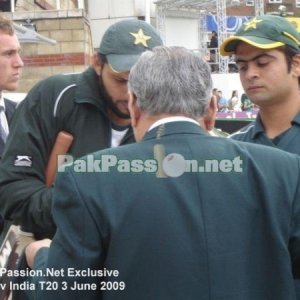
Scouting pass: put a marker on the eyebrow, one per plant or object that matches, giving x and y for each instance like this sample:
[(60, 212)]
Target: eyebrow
[(254, 58), (120, 77), (9, 51)]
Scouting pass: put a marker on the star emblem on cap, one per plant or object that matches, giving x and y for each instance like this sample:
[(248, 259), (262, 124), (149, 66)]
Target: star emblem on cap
[(141, 38), (251, 24)]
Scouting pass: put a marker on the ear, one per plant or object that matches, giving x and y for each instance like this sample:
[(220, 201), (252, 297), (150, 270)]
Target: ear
[(296, 65), (97, 63), (133, 109), (210, 117)]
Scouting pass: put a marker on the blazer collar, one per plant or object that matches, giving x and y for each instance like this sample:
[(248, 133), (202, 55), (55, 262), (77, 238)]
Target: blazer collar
[(174, 128)]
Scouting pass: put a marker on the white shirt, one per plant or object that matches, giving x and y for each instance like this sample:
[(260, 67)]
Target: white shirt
[(172, 119), (117, 136), (3, 119)]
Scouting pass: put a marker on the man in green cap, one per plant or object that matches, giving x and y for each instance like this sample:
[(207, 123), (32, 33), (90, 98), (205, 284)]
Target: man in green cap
[(91, 107), (267, 54)]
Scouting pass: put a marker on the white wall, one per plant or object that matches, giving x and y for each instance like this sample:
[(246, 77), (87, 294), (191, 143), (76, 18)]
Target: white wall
[(103, 13), (181, 32), (99, 9)]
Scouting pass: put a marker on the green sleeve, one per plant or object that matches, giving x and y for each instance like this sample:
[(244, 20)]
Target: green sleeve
[(294, 243), (76, 246), (24, 197)]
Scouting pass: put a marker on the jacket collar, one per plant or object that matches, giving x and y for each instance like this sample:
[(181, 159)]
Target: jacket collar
[(259, 127), (296, 120)]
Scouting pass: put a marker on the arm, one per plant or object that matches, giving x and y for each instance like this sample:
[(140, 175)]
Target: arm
[(77, 244), (24, 197), (61, 146), (294, 243)]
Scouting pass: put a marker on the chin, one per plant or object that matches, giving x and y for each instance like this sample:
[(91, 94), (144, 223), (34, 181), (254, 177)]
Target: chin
[(11, 88), (126, 115)]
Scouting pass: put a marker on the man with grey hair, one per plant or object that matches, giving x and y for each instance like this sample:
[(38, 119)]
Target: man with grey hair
[(153, 224)]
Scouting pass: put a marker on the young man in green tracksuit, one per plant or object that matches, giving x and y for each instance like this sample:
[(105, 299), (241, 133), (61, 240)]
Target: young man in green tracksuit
[(267, 54), (91, 106)]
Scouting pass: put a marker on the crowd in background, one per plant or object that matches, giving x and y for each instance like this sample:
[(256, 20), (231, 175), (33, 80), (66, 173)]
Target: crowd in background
[(235, 103)]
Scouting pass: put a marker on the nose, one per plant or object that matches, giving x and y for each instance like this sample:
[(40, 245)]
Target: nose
[(125, 93), (126, 96), (252, 71), (18, 61)]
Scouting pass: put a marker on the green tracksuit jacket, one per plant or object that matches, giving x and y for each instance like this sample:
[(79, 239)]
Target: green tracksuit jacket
[(73, 103)]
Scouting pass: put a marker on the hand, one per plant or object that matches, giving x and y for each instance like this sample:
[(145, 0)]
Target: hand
[(32, 249)]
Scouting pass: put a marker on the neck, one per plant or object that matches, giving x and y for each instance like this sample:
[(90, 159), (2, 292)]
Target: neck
[(277, 119), (145, 122)]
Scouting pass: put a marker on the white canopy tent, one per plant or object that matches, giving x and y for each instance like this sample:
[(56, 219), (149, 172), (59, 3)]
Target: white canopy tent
[(26, 35)]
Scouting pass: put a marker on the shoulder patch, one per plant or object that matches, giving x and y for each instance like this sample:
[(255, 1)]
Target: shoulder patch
[(23, 161)]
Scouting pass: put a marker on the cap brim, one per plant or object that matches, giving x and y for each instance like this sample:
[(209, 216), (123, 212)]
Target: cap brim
[(228, 47), (122, 63)]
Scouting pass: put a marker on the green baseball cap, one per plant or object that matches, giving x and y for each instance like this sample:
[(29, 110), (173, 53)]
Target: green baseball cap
[(264, 32), (125, 41)]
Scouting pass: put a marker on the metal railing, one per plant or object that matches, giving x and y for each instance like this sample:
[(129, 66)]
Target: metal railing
[(213, 59)]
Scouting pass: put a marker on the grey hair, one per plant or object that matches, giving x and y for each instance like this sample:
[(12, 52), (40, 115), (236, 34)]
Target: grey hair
[(171, 80)]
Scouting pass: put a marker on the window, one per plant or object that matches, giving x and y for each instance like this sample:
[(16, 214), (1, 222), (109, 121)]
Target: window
[(250, 3), (5, 5), (297, 3), (275, 1)]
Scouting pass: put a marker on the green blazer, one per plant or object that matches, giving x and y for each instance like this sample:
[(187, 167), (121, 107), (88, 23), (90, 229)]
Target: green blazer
[(225, 226)]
